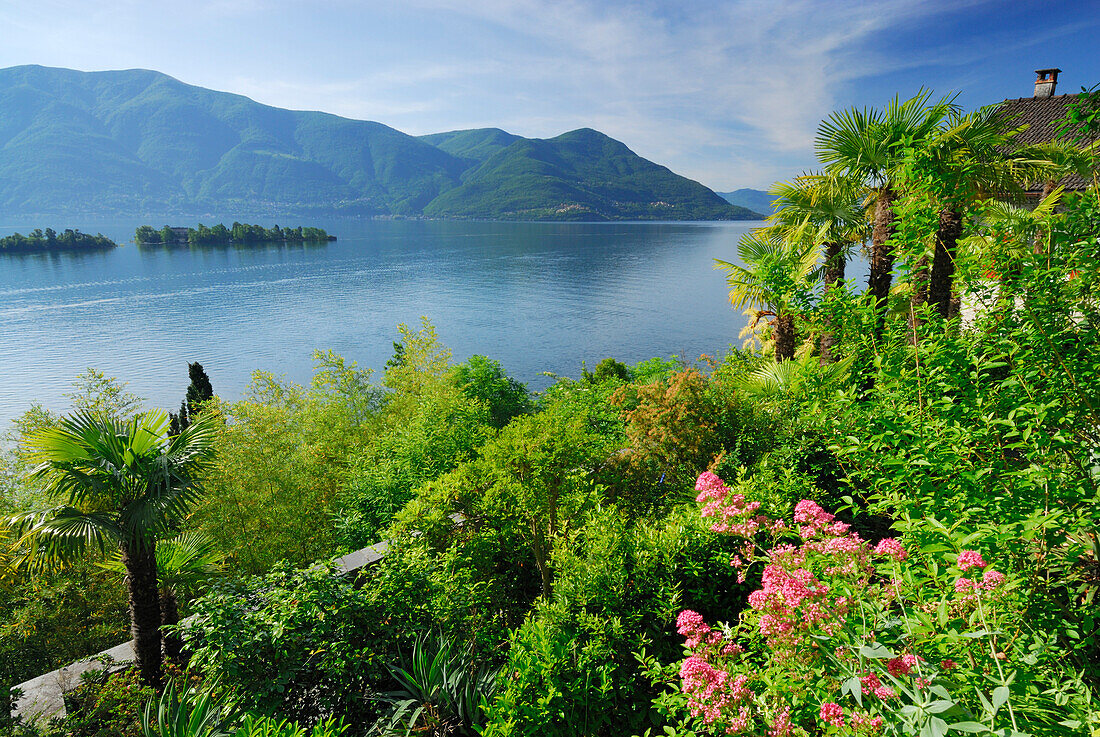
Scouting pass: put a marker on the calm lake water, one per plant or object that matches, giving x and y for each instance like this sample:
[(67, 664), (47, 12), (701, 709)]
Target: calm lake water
[(538, 297)]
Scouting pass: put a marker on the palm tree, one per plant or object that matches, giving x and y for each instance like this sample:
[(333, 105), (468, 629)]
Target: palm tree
[(972, 158), (778, 276), (120, 484), (828, 209), (183, 563), (870, 147)]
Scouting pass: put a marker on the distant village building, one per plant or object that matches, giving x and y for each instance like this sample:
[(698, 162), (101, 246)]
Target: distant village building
[(179, 235), (1043, 113)]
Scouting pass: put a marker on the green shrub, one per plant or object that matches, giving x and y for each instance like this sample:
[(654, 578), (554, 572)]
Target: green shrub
[(571, 667), (300, 644), (483, 379)]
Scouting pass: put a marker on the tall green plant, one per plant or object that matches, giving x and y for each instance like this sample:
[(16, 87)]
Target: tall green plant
[(870, 146), (120, 484), (777, 280)]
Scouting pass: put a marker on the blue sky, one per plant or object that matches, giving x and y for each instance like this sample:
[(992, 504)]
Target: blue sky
[(727, 92)]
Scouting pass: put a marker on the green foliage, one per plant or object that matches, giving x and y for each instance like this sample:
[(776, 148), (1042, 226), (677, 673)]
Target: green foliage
[(239, 233), (283, 458), (1082, 121), (107, 705), (191, 712), (618, 586), (301, 644), (443, 692), (537, 479), (483, 379), (54, 619), (608, 370), (70, 240), (444, 429)]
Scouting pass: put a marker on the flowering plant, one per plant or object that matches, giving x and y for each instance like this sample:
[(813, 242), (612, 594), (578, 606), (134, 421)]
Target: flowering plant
[(846, 637)]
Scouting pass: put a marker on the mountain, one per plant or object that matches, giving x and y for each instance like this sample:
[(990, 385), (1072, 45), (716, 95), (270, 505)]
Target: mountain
[(753, 199), (138, 142), (580, 175)]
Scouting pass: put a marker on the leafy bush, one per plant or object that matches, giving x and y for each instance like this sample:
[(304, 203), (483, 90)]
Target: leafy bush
[(571, 668), (300, 644), (483, 379)]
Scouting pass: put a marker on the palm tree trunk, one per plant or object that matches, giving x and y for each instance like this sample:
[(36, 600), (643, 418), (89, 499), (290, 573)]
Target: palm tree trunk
[(882, 258), (169, 617), (943, 262), (140, 560), (834, 277), (784, 337)]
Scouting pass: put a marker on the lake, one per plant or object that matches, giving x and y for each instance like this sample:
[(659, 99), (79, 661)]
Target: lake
[(538, 297)]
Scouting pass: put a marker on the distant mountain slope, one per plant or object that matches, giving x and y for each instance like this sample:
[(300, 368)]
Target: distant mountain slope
[(135, 139), (754, 199), (582, 174), (140, 142), (477, 144)]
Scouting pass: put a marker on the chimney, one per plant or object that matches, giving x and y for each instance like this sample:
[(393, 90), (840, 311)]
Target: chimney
[(1046, 82)]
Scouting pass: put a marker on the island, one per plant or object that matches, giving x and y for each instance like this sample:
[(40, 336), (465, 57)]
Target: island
[(50, 240), (147, 235)]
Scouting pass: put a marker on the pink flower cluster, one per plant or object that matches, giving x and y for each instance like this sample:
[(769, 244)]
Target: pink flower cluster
[(813, 521), (892, 548), (902, 666), (798, 597), (969, 559), (866, 724), (731, 512), (710, 692), (790, 600), (831, 713), (691, 625), (871, 684), (991, 580)]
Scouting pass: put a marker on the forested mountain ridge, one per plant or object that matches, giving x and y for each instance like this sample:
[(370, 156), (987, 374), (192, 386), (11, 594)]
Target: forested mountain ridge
[(139, 142)]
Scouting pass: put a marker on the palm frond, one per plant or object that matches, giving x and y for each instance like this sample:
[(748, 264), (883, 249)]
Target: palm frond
[(182, 561), (119, 481)]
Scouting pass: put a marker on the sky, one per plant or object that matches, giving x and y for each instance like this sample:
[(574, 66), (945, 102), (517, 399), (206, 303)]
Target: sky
[(727, 92)]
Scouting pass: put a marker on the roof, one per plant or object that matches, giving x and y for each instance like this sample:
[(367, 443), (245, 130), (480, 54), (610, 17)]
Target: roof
[(1042, 116)]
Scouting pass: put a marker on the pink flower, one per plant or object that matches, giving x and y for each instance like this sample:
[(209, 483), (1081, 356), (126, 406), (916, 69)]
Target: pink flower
[(992, 579), (923, 683), (869, 682), (897, 667), (708, 481), (948, 664), (781, 725), (969, 559), (689, 621), (831, 713), (892, 548), (964, 586)]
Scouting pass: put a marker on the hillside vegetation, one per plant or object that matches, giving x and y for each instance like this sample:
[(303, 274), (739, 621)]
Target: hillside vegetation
[(138, 142)]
